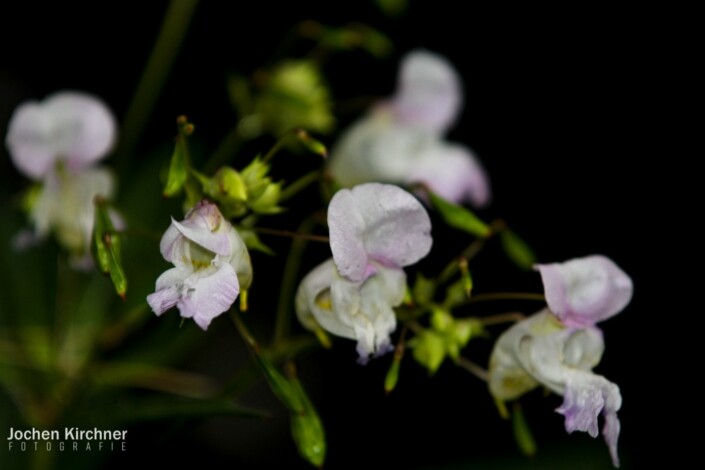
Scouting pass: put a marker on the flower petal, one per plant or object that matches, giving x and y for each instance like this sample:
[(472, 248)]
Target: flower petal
[(453, 172), (29, 140), (72, 126), (376, 222), (240, 259), (85, 128), (429, 94), (368, 307), (586, 396), (314, 305), (210, 293), (168, 290), (377, 149), (206, 226), (65, 205), (202, 294), (584, 291), (360, 311)]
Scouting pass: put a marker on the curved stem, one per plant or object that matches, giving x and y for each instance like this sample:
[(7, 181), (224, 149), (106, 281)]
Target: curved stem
[(295, 235), (504, 296), (509, 317), (291, 270), (473, 368), (300, 184)]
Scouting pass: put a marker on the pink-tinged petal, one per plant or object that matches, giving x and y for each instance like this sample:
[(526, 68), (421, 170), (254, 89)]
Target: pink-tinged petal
[(429, 92), (29, 141), (210, 293), (377, 149), (453, 172), (376, 222), (541, 351), (205, 226), (584, 291), (168, 242), (84, 129), (610, 432), (346, 227), (586, 396), (168, 290), (75, 127)]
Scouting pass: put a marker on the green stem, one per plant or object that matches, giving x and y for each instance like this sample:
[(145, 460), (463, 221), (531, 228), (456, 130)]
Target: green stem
[(299, 185), (173, 30), (244, 332), (505, 296), (510, 317), (295, 235), (473, 368), (291, 270), (227, 148), (278, 146), (468, 253)]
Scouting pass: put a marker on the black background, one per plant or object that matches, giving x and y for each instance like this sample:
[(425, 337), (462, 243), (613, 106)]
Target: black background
[(563, 106)]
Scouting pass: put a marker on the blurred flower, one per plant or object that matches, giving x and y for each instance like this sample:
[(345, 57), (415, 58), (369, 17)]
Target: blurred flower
[(400, 141), (559, 346), (375, 230), (211, 262), (57, 142)]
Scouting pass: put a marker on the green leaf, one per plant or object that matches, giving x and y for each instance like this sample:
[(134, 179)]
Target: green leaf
[(459, 217), (307, 429), (517, 250), (253, 242), (107, 247), (178, 170), (441, 320), (455, 294), (179, 166), (423, 290), (429, 350), (282, 388), (392, 377), (311, 144), (522, 433)]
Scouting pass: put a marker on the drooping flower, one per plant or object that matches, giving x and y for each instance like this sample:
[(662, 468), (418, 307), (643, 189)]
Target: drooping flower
[(400, 140), (559, 346), (375, 230), (57, 142), (211, 266)]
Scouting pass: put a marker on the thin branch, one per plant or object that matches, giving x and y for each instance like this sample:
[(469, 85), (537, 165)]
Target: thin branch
[(473, 368), (509, 317), (289, 234)]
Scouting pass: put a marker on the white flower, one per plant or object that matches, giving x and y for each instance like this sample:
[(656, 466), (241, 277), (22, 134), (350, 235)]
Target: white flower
[(211, 262), (375, 230), (559, 346), (57, 143), (400, 141)]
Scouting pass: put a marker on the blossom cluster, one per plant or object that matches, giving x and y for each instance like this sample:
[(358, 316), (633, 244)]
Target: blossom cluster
[(378, 224)]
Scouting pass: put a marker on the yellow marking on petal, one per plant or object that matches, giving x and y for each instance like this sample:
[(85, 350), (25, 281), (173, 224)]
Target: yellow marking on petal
[(324, 302), (243, 301)]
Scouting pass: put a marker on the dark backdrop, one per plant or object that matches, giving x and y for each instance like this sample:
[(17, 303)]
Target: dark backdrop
[(560, 107)]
